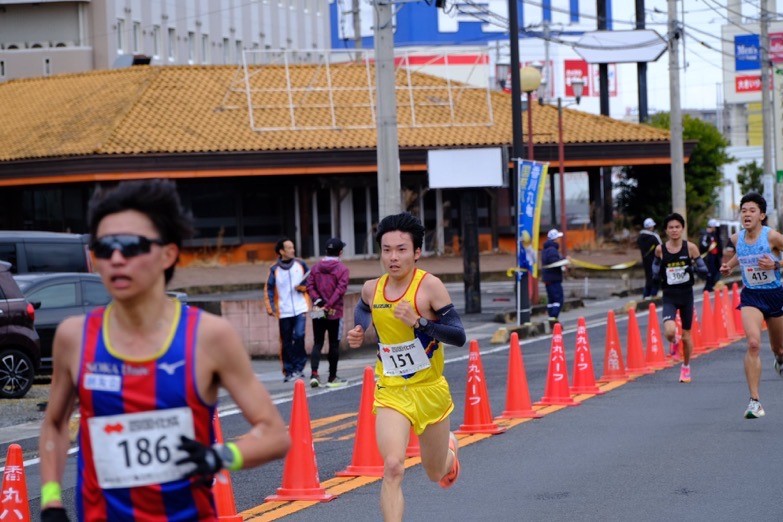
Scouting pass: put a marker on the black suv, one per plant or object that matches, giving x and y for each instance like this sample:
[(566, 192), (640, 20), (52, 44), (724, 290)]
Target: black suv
[(32, 251), (20, 347)]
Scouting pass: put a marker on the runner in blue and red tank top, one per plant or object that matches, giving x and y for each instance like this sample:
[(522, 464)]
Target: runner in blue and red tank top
[(146, 371), (758, 249)]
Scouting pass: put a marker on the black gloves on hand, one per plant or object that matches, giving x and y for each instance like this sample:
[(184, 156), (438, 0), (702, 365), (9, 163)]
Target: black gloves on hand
[(206, 459), (54, 514)]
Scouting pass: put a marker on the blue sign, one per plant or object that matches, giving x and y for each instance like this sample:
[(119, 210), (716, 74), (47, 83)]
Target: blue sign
[(531, 178), (747, 54)]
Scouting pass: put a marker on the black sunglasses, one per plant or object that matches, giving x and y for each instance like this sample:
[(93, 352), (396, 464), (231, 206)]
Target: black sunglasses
[(129, 245)]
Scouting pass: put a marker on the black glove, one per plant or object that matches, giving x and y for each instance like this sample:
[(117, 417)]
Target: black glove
[(206, 459), (54, 514), (318, 302)]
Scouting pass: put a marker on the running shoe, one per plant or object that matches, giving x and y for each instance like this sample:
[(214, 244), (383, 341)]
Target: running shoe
[(336, 382), (451, 477), (779, 366), (754, 410), (314, 381), (685, 373)]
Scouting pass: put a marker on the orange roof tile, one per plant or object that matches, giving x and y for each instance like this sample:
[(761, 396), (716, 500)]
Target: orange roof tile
[(144, 109)]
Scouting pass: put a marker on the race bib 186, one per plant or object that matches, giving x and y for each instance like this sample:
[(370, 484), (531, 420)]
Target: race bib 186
[(139, 449)]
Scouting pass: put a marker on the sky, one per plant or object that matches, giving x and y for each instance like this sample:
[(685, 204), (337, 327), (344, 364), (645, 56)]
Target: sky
[(701, 66)]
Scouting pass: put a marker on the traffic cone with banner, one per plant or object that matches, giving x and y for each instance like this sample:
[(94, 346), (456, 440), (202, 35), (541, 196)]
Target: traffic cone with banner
[(735, 302), (636, 362), (478, 410), (518, 405), (584, 374), (730, 326), (300, 471), (708, 335), (13, 501), (719, 320), (654, 355), (614, 367), (556, 391), (225, 503), (367, 460)]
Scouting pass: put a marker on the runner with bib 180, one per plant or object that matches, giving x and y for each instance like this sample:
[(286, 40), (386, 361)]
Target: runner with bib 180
[(676, 263)]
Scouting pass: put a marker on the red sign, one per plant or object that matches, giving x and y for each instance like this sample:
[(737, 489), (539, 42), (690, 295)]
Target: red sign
[(575, 70), (747, 83), (776, 47)]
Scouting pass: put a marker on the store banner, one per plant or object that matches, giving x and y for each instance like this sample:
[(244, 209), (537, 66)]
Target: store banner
[(531, 177), (747, 56)]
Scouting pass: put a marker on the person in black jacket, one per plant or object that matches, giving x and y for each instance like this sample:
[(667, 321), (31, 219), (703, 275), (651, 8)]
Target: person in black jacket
[(711, 248), (553, 264), (647, 241)]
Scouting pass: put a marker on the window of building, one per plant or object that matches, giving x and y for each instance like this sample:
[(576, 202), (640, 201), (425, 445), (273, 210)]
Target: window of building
[(172, 44), (156, 41), (238, 53), (206, 54), (226, 51), (191, 47), (136, 37), (120, 35)]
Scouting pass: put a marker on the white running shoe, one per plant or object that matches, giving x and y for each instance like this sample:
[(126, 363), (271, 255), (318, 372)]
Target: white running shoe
[(754, 410)]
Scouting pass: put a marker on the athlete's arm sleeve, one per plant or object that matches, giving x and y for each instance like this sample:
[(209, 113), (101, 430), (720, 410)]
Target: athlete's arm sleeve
[(701, 268), (362, 315), (656, 268), (449, 327)]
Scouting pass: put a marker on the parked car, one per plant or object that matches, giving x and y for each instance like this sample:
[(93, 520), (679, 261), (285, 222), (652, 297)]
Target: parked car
[(59, 296), (20, 350), (32, 251)]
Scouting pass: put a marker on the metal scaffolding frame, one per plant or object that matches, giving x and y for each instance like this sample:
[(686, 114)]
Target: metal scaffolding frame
[(289, 90)]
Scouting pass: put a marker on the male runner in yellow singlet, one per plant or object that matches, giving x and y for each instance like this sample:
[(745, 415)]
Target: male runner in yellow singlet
[(413, 316)]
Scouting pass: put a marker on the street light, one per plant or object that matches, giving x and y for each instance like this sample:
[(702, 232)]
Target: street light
[(578, 86), (530, 79)]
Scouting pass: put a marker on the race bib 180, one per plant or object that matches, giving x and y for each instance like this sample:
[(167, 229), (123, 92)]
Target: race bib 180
[(139, 449)]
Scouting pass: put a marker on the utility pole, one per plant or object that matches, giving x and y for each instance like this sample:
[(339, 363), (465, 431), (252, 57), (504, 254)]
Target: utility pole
[(605, 212), (523, 297), (766, 116), (388, 141), (641, 69), (675, 115), (357, 27)]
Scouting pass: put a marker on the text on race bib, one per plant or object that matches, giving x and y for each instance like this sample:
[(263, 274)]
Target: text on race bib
[(676, 275), (403, 358)]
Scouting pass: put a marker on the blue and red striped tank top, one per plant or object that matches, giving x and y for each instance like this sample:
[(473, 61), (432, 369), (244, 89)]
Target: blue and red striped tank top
[(132, 413)]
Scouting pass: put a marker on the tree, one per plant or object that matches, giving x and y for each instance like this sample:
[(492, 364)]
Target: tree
[(749, 178), (645, 191)]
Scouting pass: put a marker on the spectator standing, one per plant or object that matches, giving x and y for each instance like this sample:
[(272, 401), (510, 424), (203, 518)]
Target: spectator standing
[(711, 248), (326, 286), (553, 264), (647, 242), (285, 296)]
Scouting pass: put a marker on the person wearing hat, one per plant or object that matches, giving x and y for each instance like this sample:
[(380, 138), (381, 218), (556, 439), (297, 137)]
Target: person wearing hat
[(711, 249), (647, 241), (327, 285), (553, 265)]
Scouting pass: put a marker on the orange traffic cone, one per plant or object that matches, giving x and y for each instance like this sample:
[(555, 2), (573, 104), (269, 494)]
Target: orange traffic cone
[(367, 460), (730, 326), (698, 346), (413, 449), (614, 367), (708, 334), (636, 362), (300, 471), (13, 501), (735, 302), (654, 355), (719, 320), (556, 391), (518, 404), (223, 492), (676, 346), (584, 375), (478, 411)]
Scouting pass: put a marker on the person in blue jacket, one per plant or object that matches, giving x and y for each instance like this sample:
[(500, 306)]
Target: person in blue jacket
[(552, 267)]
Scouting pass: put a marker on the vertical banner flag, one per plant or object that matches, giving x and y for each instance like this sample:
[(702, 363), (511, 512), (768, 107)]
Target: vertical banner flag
[(531, 181)]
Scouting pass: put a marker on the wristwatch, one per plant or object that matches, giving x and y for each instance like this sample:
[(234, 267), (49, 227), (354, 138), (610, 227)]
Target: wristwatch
[(225, 454), (420, 323)]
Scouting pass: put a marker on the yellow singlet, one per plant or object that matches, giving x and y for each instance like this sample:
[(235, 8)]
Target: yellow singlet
[(392, 331)]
